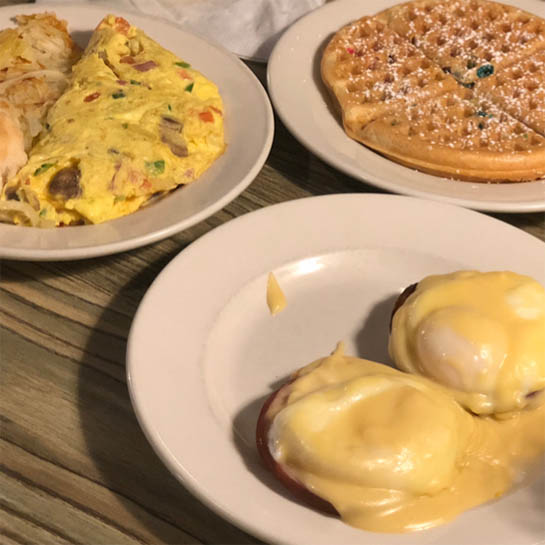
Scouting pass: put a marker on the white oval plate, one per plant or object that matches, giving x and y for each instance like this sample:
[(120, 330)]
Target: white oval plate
[(204, 351), (301, 101), (249, 128)]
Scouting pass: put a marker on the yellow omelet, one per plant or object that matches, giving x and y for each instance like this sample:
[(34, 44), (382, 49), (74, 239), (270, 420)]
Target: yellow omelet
[(135, 121)]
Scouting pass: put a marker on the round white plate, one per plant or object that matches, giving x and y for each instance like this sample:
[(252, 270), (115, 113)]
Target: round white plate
[(302, 102), (204, 351), (249, 127)]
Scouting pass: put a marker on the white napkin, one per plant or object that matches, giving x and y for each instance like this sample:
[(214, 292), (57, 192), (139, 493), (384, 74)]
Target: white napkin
[(248, 28)]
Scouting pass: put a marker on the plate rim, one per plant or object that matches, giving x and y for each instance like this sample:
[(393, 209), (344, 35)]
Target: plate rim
[(274, 82), (82, 252), (181, 260)]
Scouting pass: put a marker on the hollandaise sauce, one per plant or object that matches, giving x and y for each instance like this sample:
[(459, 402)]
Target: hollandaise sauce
[(481, 334), (276, 300), (394, 452)]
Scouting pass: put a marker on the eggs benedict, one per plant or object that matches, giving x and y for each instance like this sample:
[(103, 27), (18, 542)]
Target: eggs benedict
[(386, 450), (480, 334)]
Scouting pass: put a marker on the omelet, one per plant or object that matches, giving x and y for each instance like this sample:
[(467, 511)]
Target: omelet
[(136, 121)]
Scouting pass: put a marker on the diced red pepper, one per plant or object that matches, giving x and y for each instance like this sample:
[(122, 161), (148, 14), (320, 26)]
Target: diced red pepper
[(121, 82), (122, 25), (127, 60), (183, 74), (146, 185), (207, 117), (91, 97), (145, 66)]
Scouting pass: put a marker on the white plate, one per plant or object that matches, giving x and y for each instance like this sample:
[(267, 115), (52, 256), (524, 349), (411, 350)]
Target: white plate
[(203, 351), (249, 127), (302, 102)]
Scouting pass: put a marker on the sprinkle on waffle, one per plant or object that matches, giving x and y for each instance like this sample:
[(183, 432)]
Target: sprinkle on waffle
[(454, 88)]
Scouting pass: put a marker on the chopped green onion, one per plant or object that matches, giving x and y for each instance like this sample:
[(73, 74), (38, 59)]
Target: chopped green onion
[(169, 108), (525, 135), (119, 198), (125, 125), (468, 85), (134, 82), (119, 94), (157, 167), (183, 64), (485, 70), (189, 88), (43, 168), (43, 212)]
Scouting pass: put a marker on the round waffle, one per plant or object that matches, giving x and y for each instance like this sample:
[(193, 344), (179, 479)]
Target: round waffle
[(453, 88)]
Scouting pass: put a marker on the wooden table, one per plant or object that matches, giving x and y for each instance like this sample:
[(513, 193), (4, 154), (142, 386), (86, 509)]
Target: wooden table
[(75, 466)]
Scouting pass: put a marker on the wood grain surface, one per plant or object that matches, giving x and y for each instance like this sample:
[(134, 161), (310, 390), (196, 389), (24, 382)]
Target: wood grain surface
[(75, 466)]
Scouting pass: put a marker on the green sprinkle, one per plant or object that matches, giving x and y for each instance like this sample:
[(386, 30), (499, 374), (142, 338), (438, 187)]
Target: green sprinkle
[(468, 85), (189, 88), (481, 126), (471, 63), (525, 135), (43, 168), (156, 167), (480, 113), (485, 70), (119, 94), (125, 125), (169, 108), (134, 82), (43, 212), (183, 64)]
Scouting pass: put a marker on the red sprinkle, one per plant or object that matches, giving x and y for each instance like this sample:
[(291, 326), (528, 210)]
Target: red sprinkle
[(350, 50), (207, 117), (127, 60), (91, 97), (121, 82), (145, 66)]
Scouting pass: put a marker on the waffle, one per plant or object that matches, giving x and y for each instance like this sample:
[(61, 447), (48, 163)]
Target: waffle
[(371, 69), (459, 134), (467, 38), (451, 88), (520, 90)]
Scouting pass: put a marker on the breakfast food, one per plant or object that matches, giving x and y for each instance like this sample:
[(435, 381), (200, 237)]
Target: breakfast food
[(135, 122), (450, 88), (480, 334), (389, 451), (36, 58)]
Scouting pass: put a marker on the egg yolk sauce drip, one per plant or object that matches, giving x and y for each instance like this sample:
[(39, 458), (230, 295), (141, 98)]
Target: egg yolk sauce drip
[(135, 122), (394, 452), (481, 334)]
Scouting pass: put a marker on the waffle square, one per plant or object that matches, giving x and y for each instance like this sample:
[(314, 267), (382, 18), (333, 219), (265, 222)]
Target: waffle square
[(470, 39), (460, 134), (370, 69), (519, 89)]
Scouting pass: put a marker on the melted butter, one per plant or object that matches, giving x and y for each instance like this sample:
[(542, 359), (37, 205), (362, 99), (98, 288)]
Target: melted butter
[(276, 300), (394, 452), (482, 334)]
